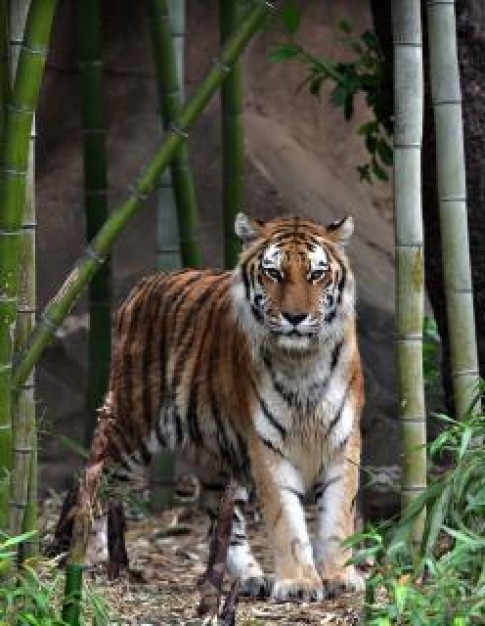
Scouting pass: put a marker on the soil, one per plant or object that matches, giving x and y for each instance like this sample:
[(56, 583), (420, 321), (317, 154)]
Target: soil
[(168, 554)]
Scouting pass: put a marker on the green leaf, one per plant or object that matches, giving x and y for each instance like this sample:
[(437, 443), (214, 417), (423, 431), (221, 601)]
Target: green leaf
[(400, 595), (379, 172), (290, 14), (367, 128), (364, 173), (283, 52), (384, 151), (349, 106)]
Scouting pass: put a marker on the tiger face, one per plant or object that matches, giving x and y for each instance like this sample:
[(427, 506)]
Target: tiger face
[(295, 277)]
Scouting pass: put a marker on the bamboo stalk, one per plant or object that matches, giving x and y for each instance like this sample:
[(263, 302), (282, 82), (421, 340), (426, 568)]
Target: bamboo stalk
[(4, 96), (408, 132), (447, 104), (170, 98), (95, 201), (4, 74), (13, 184), (86, 497), (168, 243), (169, 254), (232, 137), (23, 495), (75, 283)]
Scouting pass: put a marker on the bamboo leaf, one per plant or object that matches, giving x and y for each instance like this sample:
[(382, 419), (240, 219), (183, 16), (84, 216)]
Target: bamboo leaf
[(290, 14), (283, 52)]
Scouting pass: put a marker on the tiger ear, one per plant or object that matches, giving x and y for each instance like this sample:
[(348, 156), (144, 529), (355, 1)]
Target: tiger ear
[(247, 229), (341, 230)]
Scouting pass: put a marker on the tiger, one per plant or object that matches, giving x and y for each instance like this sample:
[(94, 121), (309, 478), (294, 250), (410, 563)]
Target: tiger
[(254, 374)]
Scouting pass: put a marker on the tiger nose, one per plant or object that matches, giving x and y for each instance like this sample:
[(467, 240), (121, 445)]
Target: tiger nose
[(294, 318)]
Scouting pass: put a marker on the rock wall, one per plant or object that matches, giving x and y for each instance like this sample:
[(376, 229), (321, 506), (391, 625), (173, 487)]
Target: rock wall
[(301, 158)]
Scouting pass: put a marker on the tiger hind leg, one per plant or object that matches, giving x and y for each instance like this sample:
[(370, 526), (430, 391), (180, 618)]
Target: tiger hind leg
[(241, 562)]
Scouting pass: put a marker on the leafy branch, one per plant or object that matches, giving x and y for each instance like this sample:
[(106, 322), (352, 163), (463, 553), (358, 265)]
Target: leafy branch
[(365, 73)]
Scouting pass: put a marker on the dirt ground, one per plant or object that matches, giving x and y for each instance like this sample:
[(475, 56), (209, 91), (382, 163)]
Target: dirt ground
[(168, 553)]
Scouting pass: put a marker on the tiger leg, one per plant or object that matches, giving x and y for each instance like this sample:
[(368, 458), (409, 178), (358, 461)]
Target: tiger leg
[(241, 562), (280, 490), (336, 495)]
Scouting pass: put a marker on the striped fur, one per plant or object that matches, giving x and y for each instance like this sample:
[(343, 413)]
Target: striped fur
[(256, 373)]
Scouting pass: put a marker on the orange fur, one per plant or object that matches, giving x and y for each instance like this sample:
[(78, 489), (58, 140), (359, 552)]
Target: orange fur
[(258, 371)]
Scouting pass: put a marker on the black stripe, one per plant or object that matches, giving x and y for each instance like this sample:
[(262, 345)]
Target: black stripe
[(258, 316), (342, 281), (191, 415), (188, 328), (178, 424), (335, 356), (272, 447), (340, 288), (267, 413), (321, 488), (147, 360), (344, 442), (296, 493), (340, 409), (168, 314), (145, 453), (237, 542), (244, 273)]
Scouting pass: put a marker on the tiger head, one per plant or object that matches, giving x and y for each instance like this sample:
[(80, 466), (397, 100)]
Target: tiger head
[(293, 285)]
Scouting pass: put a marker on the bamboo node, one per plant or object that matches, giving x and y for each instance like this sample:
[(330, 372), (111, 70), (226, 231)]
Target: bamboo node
[(29, 226), (227, 69), (24, 308), (49, 323), (134, 191), (458, 101), (466, 372), (92, 254), (13, 172), (36, 50), (451, 198), (25, 451), (18, 505), (20, 110), (174, 128)]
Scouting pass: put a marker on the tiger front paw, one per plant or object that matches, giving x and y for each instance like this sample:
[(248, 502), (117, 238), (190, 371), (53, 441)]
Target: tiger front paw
[(347, 579), (256, 586), (298, 589)]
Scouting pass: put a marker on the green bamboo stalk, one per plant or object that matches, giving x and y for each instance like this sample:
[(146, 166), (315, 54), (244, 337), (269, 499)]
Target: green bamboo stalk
[(95, 201), (447, 104), (168, 241), (75, 283), (170, 98), (232, 137), (408, 132), (71, 607), (169, 256), (4, 74), (13, 184), (23, 495), (4, 96)]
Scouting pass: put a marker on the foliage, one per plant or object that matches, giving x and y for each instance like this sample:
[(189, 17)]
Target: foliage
[(431, 349), (443, 581), (31, 594), (365, 73)]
